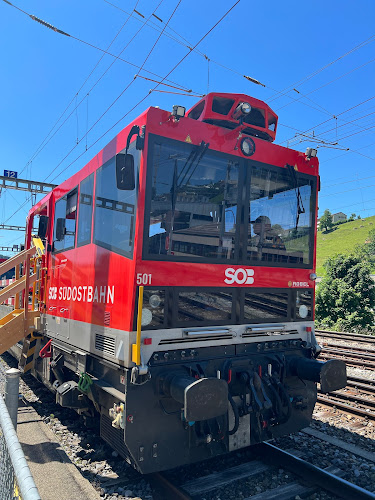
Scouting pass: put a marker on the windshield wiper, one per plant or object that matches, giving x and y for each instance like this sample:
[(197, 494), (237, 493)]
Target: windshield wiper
[(188, 169), (195, 157), (300, 207)]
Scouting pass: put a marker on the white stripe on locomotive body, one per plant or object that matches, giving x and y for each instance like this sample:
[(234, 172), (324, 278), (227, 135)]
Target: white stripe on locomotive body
[(82, 335)]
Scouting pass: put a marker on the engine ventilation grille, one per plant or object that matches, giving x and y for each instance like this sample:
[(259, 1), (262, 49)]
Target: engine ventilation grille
[(269, 333), (105, 343), (114, 437), (195, 339)]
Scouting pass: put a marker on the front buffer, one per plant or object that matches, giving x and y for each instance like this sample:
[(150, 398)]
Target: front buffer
[(205, 402)]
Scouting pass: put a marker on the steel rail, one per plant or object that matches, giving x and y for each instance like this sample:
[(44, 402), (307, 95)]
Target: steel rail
[(343, 406), (366, 350), (348, 352), (361, 380), (354, 398), (313, 474), (165, 490), (361, 387), (346, 336), (349, 361)]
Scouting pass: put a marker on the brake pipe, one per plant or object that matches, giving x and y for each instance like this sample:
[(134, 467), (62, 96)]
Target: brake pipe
[(136, 348)]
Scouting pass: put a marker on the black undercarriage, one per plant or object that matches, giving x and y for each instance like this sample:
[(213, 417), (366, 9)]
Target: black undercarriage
[(195, 404)]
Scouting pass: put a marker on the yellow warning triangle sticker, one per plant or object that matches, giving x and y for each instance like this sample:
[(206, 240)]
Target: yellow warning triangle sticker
[(188, 139), (296, 168)]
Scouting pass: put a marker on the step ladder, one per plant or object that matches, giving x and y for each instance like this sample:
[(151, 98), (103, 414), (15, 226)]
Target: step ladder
[(29, 274), (31, 345)]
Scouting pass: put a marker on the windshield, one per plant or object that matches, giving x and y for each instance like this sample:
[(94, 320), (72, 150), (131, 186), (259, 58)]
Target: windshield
[(194, 203), (195, 197), (281, 216)]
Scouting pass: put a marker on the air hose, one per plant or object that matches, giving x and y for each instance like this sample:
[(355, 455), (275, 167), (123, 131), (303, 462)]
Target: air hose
[(236, 415), (278, 402), (84, 383), (286, 399)]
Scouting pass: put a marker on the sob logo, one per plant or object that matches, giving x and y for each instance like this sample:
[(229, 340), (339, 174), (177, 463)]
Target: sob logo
[(240, 276)]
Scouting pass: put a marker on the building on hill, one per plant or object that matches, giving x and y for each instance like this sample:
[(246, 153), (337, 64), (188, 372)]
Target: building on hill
[(339, 216)]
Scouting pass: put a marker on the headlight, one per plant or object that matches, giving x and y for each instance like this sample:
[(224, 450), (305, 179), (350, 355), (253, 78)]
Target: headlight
[(304, 301), (245, 108), (154, 301), (153, 308), (146, 317), (303, 311), (247, 146)]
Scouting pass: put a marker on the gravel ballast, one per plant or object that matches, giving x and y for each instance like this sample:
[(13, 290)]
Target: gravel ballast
[(115, 479)]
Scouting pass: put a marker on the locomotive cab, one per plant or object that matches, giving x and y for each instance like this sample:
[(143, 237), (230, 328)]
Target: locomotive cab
[(237, 111), (179, 278)]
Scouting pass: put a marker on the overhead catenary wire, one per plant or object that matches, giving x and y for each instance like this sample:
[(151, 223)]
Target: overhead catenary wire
[(142, 99), (369, 40), (331, 81), (346, 191), (86, 130), (337, 115), (147, 22), (144, 62), (43, 143), (318, 137), (355, 151), (118, 97), (159, 83), (91, 45), (99, 79), (316, 72), (299, 132), (186, 43)]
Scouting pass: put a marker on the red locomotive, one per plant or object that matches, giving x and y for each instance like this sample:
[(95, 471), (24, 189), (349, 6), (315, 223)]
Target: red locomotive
[(179, 285)]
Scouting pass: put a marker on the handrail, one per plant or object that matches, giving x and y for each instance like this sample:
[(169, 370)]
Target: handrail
[(22, 472), (14, 261), (136, 348)]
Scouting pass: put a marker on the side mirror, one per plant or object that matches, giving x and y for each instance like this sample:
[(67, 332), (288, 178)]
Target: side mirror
[(125, 178), (42, 228), (60, 229)]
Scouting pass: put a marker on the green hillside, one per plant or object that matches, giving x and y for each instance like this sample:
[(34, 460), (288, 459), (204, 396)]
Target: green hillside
[(342, 239)]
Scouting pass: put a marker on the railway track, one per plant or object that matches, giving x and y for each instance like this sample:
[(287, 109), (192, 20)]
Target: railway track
[(267, 461), (268, 456), (357, 398), (363, 357), (351, 337), (350, 358)]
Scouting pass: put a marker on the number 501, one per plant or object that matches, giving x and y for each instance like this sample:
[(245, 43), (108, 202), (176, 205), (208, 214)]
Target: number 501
[(143, 279)]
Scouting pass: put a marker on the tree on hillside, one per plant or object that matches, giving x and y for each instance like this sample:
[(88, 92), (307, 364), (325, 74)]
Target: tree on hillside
[(345, 298), (326, 220), (370, 243), (366, 252), (352, 217)]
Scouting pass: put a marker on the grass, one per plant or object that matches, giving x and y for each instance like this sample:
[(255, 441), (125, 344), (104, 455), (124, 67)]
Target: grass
[(342, 239)]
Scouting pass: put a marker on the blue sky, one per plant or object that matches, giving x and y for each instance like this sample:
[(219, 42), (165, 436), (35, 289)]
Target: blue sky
[(278, 43)]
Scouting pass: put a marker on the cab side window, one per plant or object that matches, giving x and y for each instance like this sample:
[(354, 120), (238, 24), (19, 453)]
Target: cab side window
[(64, 229), (85, 211), (115, 210)]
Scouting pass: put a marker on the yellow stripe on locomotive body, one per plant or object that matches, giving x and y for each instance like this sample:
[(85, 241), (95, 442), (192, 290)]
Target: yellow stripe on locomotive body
[(178, 283)]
